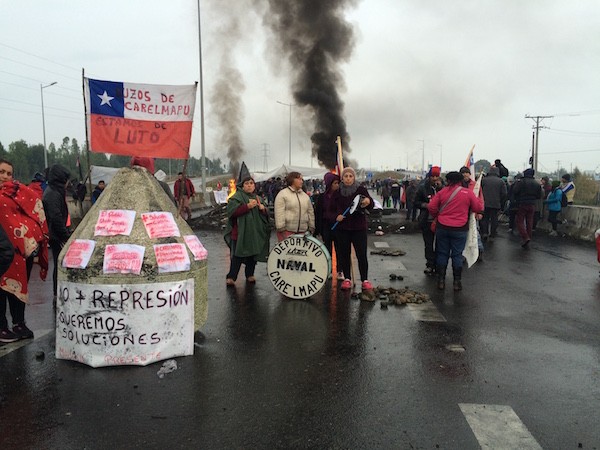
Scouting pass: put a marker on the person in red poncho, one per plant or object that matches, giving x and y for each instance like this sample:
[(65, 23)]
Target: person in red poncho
[(24, 221)]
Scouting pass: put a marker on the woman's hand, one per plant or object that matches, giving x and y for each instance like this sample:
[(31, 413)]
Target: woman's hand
[(339, 218), (365, 202), (252, 203)]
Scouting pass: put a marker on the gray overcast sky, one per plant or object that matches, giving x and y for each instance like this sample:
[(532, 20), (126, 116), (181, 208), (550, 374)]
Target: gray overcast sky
[(451, 73)]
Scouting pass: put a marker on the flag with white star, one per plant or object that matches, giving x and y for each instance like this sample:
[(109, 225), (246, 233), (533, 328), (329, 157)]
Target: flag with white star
[(138, 119)]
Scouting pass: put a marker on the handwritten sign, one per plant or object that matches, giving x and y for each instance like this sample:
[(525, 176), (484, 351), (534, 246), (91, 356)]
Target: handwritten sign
[(123, 258), (113, 222), (171, 258), (160, 224), (78, 254), (130, 324), (196, 247)]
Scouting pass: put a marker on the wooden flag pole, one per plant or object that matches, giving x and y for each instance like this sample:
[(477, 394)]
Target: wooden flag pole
[(340, 158), (87, 139)]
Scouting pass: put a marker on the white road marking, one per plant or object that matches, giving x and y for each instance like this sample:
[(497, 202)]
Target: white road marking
[(381, 244), (8, 348), (498, 427), (425, 312)]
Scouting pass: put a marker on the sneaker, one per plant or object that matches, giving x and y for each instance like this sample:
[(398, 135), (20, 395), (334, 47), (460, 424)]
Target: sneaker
[(366, 285), (340, 276), (8, 336), (346, 284), (428, 271), (230, 282), (22, 331), (251, 279)]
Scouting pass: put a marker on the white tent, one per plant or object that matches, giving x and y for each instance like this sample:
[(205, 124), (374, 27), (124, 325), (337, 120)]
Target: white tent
[(308, 173)]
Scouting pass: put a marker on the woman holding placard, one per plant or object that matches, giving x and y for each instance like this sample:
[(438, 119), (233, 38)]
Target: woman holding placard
[(248, 230)]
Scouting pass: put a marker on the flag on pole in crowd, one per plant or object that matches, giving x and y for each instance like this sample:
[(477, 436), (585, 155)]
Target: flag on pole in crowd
[(339, 158), (470, 162), (137, 119), (471, 251)]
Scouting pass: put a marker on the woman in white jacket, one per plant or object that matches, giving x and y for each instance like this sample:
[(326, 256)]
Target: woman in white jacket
[(294, 213)]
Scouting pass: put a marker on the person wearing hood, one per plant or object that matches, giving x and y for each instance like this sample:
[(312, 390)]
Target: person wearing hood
[(57, 214), (294, 212), (24, 224), (325, 213), (526, 193), (352, 228), (248, 231), (553, 203), (568, 187), (451, 208), (494, 192)]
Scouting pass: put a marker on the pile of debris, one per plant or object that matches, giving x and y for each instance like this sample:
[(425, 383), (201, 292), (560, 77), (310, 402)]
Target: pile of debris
[(214, 218), (392, 296)]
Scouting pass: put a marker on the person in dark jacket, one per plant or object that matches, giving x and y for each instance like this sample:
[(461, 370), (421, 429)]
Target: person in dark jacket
[(7, 251), (325, 213), (425, 192), (494, 193), (526, 192), (352, 229), (57, 214), (411, 192), (98, 190)]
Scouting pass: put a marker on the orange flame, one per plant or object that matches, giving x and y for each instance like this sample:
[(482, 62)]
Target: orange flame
[(232, 188)]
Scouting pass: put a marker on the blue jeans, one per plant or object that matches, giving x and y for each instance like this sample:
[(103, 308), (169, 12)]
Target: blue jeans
[(449, 244)]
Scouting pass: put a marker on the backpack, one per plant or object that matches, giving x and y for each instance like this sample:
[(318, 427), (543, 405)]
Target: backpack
[(563, 200)]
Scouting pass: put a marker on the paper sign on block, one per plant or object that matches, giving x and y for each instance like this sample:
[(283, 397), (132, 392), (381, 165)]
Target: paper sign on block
[(196, 247), (171, 258), (123, 258), (160, 224), (113, 222), (78, 254)]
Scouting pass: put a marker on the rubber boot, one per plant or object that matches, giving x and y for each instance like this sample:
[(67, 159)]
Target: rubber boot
[(441, 277), (457, 272)]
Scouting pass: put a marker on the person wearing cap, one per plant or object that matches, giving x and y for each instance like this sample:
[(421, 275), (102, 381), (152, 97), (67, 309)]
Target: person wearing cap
[(467, 181), (294, 212), (568, 187), (184, 191), (352, 228), (553, 203), (325, 213), (247, 233), (425, 192), (451, 208), (57, 214), (526, 192)]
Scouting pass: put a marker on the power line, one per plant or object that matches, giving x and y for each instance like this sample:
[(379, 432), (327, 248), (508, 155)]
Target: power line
[(39, 68), (39, 57), (36, 105)]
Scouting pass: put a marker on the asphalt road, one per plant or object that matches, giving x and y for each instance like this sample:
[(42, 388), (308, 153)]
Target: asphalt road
[(512, 361)]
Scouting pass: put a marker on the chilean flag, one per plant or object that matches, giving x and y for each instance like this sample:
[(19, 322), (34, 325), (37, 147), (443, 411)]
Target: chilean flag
[(139, 119)]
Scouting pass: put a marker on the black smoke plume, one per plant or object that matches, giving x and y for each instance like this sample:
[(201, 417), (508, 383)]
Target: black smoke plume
[(315, 38), (226, 94)]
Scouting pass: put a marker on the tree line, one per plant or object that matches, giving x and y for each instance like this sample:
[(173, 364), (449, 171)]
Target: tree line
[(28, 159)]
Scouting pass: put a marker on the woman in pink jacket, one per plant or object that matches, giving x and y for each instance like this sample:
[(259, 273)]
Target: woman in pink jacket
[(450, 208)]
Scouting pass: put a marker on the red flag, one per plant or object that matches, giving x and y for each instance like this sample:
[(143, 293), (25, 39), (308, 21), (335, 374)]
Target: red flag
[(139, 119)]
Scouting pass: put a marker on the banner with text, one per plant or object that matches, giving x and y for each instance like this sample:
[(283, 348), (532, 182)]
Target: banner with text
[(133, 324), (139, 119)]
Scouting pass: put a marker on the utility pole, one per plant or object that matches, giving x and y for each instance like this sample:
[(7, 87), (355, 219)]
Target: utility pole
[(536, 127), (265, 155)]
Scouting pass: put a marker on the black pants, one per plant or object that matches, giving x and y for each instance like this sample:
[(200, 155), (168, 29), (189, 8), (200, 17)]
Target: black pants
[(17, 309), (553, 219), (236, 264), (329, 237), (56, 247), (490, 218), (428, 239), (345, 240)]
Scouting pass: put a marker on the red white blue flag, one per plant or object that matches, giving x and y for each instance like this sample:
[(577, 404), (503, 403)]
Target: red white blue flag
[(139, 119), (470, 162)]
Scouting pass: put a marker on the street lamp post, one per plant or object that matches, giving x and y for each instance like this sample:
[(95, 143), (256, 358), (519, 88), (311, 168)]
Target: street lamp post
[(290, 130), (42, 87)]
